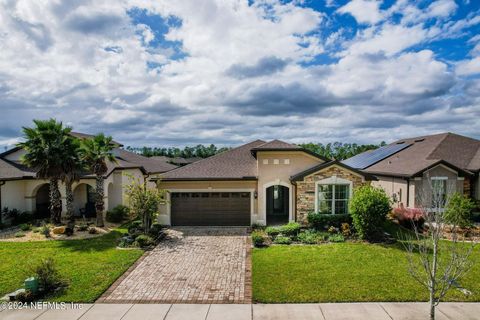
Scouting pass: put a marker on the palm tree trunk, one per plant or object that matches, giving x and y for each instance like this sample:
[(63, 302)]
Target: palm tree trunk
[(55, 202), (99, 204), (69, 203)]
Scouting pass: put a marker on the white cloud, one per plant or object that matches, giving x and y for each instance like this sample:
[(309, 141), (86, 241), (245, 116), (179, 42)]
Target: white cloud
[(468, 67), (364, 11), (441, 8)]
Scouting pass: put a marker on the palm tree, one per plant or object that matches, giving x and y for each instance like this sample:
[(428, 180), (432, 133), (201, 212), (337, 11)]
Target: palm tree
[(72, 170), (96, 152), (44, 148)]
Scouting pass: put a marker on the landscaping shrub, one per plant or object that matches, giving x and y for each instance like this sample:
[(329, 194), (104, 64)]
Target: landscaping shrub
[(156, 231), (82, 227), (135, 227), (92, 230), (49, 279), (369, 208), (25, 226), (126, 242), (459, 210), (311, 237), (19, 234), (346, 230), (16, 217), (118, 214), (37, 230), (322, 221), (256, 226), (143, 241), (272, 231), (336, 238), (282, 240), (290, 230), (258, 238), (408, 217), (26, 296), (332, 229), (45, 230)]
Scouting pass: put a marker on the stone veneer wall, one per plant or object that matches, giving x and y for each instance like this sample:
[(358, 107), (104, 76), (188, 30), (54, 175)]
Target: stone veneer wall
[(306, 189)]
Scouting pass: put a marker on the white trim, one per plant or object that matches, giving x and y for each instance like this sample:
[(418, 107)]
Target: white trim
[(443, 166), (439, 178), (278, 182), (210, 189), (332, 180), (460, 178)]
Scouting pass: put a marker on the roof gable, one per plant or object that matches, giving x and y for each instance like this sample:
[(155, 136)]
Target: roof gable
[(300, 176)]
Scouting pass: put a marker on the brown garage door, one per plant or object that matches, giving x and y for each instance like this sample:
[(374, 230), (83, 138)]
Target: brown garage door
[(210, 208)]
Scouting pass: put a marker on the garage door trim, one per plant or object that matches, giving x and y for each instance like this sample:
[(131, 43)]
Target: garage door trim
[(249, 190)]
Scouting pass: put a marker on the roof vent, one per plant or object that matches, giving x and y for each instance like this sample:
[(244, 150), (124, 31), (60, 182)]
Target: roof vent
[(401, 142), (419, 140)]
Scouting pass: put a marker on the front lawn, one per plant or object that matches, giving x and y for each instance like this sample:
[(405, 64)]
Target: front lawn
[(343, 272), (89, 265)]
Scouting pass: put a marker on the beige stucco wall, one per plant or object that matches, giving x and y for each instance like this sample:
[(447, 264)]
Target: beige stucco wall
[(21, 194), (179, 186), (395, 188), (272, 174), (306, 188)]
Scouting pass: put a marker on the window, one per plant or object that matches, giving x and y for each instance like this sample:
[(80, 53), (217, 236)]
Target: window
[(286, 161), (439, 191), (276, 161), (265, 161), (333, 198)]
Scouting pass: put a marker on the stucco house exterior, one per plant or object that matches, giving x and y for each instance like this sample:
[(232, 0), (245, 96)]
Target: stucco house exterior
[(257, 183), (407, 169), (21, 190)]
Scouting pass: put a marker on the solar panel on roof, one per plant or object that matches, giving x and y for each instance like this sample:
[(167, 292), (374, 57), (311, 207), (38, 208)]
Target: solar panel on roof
[(366, 159)]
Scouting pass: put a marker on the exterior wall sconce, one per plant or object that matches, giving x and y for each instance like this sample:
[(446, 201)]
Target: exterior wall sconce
[(255, 194)]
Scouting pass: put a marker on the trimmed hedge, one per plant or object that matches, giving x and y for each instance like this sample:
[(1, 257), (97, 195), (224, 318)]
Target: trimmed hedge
[(321, 221)]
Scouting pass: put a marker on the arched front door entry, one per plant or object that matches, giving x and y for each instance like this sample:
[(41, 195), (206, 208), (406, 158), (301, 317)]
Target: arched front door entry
[(278, 204), (42, 202)]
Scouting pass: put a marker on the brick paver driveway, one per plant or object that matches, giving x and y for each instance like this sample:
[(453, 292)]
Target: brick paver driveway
[(192, 265)]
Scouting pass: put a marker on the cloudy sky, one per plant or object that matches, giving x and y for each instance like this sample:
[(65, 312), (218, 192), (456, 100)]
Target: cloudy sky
[(183, 72)]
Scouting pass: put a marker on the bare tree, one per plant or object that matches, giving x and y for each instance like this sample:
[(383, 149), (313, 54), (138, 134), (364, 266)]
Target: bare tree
[(437, 264)]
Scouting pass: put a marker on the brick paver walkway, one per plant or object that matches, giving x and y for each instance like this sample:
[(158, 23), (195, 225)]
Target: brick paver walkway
[(192, 265)]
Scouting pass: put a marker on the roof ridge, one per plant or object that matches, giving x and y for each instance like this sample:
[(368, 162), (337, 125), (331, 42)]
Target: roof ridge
[(437, 146)]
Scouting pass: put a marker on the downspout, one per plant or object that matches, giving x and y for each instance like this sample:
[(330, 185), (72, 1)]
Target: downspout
[(1, 208), (408, 193)]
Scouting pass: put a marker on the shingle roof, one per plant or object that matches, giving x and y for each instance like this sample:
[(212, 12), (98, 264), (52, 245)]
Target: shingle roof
[(10, 170), (425, 151), (237, 163), (299, 176), (277, 145), (151, 165)]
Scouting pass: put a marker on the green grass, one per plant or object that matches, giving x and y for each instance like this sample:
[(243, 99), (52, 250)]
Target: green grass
[(89, 265), (343, 272)]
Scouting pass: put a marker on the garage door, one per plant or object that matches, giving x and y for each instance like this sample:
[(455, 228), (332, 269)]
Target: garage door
[(210, 208)]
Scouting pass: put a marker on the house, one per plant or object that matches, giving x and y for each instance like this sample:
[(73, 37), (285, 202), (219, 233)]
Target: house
[(21, 190), (408, 169), (257, 183)]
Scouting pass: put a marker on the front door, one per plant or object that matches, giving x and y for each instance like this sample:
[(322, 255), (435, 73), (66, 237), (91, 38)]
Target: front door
[(277, 204)]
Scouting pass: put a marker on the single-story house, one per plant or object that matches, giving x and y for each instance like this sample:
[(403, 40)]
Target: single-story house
[(21, 190), (408, 169), (257, 183)]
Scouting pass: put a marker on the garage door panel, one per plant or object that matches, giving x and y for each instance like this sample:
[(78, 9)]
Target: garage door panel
[(210, 209)]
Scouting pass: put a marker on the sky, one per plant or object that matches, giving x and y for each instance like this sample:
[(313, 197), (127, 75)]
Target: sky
[(176, 73)]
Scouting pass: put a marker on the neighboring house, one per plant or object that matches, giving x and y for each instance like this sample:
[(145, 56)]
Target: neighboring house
[(257, 183), (408, 169), (21, 190)]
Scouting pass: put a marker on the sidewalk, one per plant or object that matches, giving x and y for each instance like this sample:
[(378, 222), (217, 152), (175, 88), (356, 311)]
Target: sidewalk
[(322, 311)]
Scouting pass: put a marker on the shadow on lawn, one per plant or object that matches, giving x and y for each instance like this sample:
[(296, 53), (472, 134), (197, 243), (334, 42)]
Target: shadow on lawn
[(102, 243)]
